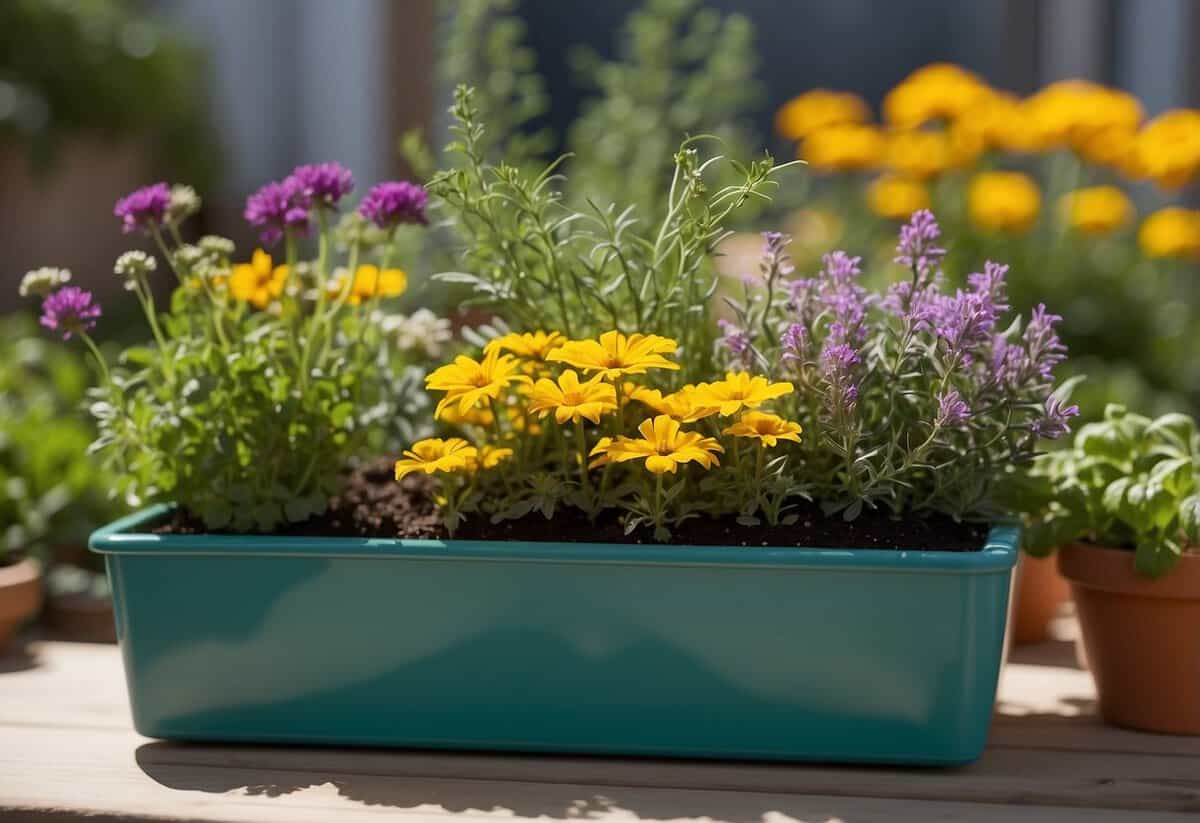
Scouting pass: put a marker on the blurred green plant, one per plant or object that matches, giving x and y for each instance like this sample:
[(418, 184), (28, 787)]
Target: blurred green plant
[(51, 493), (681, 70), (106, 68)]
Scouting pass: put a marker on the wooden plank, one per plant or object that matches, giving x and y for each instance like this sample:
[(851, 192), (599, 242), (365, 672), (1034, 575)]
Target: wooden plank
[(69, 765), (104, 773)]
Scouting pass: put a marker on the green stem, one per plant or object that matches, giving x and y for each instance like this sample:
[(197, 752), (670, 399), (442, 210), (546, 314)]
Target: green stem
[(583, 461), (91, 344)]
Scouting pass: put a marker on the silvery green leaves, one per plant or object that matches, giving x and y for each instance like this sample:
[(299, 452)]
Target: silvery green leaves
[(1126, 481)]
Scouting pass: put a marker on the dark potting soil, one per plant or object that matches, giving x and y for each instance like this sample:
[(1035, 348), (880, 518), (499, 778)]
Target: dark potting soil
[(373, 504)]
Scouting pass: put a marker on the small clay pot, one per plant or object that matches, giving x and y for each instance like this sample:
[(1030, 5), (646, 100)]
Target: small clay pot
[(20, 597), (1039, 594), (1141, 637)]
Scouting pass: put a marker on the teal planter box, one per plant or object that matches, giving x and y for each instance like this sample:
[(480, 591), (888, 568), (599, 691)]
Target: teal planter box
[(790, 654)]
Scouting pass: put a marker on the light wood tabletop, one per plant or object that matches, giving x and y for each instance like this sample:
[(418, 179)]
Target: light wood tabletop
[(67, 751)]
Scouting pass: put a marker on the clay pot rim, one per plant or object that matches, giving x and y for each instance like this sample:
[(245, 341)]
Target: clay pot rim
[(1111, 570)]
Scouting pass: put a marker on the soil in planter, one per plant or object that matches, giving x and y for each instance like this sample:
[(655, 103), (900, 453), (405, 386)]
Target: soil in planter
[(373, 504)]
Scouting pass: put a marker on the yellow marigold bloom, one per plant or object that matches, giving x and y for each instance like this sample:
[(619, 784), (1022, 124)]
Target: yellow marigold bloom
[(844, 147), (663, 446), (739, 391), (259, 281), (532, 346), (571, 400), (940, 91), (436, 455), (896, 197), (994, 122), (1096, 210), (817, 109), (615, 354), (769, 429), (1071, 112), (600, 452), (370, 282), (1112, 147), (1171, 232), (1167, 150), (1006, 201), (471, 417), (922, 154), (467, 381)]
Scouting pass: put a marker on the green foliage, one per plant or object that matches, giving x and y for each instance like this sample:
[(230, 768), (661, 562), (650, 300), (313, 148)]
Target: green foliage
[(101, 67), (548, 265), (51, 493), (1127, 481), (681, 70)]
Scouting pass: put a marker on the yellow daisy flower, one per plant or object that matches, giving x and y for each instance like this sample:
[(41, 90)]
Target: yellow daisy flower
[(489, 457), (436, 455), (684, 405), (844, 147), (532, 346), (769, 429), (663, 446), (739, 391), (601, 452), (940, 91), (370, 282), (258, 282), (1167, 150), (572, 400), (615, 354), (468, 381)]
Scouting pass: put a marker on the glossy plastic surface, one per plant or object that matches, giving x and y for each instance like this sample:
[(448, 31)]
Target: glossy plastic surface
[(832, 655)]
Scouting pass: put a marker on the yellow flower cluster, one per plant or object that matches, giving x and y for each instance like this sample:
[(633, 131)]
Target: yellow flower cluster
[(369, 282), (474, 393), (1171, 232), (1096, 210), (258, 282), (1006, 201)]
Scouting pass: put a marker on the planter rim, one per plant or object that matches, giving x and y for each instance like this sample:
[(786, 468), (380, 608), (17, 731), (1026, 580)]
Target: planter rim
[(20, 591), (123, 538), (1111, 570), (18, 574)]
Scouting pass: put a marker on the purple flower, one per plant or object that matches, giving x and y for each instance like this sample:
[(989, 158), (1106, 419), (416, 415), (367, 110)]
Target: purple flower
[(1054, 424), (279, 206), (395, 202), (837, 364), (917, 248), (964, 322), (69, 310), (145, 208), (952, 409), (775, 260), (793, 342), (737, 341), (840, 294), (990, 282), (1045, 350), (325, 183)]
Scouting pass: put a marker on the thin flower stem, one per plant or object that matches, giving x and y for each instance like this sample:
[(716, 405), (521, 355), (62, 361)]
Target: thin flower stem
[(583, 461), (91, 344)]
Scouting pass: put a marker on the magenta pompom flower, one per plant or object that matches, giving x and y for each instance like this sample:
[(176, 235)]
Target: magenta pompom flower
[(145, 208), (70, 310), (324, 183), (393, 203), (277, 207)]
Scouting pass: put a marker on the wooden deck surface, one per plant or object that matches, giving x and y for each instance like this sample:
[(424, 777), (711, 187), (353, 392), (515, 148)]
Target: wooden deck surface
[(67, 752)]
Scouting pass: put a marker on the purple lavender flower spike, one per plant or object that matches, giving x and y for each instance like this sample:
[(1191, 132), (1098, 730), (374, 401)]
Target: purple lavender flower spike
[(145, 208), (840, 294), (793, 342), (70, 310), (277, 207), (775, 259), (1045, 350), (394, 203), (918, 249), (1056, 421), (324, 183), (837, 363), (990, 282), (952, 410), (964, 322), (737, 341)]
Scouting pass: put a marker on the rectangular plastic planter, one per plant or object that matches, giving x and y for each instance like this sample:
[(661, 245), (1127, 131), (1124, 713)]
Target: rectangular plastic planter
[(793, 654)]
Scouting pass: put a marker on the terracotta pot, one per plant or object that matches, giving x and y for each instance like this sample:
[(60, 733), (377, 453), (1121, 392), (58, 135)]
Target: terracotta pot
[(20, 597), (81, 617), (1039, 594), (1141, 637)]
